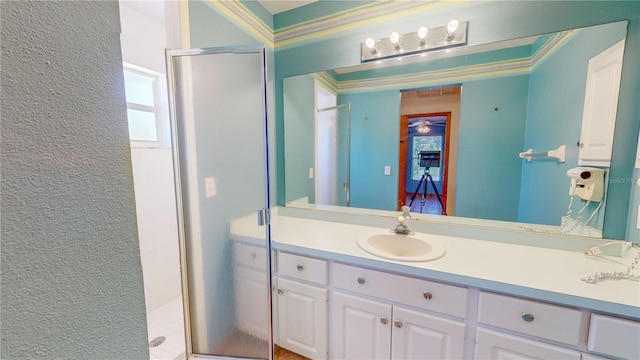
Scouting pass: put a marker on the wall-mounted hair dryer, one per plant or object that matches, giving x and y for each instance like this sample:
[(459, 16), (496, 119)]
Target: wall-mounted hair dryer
[(587, 183)]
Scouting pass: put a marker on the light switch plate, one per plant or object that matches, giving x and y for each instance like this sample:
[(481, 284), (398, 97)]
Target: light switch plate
[(387, 170), (210, 187), (310, 173)]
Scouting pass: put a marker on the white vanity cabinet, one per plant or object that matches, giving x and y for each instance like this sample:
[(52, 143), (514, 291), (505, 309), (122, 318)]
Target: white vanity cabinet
[(383, 327), (541, 321), (251, 289), (614, 337), (329, 309), (360, 328), (302, 298)]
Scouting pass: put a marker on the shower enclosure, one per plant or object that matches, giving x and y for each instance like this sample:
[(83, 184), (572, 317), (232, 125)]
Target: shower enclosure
[(333, 131), (219, 131)]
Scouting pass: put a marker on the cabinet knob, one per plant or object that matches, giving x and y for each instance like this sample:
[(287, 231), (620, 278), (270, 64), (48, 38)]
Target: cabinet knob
[(360, 280), (280, 292), (527, 317), (300, 267), (579, 144), (427, 295), (384, 320), (397, 323)]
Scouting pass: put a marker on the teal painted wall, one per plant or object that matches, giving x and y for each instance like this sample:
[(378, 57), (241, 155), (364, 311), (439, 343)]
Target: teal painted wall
[(489, 170), (375, 129), (299, 132), (516, 19), (556, 99)]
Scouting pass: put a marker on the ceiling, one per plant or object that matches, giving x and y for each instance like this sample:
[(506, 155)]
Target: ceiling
[(278, 6)]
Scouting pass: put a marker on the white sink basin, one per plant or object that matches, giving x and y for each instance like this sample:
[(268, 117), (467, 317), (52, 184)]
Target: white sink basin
[(400, 247)]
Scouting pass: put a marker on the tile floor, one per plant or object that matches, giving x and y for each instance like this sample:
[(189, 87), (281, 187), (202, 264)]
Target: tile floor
[(167, 321)]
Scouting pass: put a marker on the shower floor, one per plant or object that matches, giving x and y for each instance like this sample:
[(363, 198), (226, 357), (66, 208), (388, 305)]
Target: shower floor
[(167, 321)]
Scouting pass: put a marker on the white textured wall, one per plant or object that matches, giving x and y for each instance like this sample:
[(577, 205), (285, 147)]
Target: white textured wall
[(71, 272)]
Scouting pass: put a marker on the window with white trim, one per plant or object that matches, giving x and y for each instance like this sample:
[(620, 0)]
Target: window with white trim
[(424, 143), (142, 105)]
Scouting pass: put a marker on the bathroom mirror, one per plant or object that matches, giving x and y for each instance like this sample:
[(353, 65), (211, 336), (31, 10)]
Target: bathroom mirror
[(483, 106)]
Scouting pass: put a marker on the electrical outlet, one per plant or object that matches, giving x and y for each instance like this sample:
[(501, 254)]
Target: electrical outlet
[(210, 187), (310, 173), (387, 170)]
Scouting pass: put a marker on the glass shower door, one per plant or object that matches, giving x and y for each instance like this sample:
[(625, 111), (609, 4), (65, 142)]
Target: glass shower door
[(220, 141), (333, 131)]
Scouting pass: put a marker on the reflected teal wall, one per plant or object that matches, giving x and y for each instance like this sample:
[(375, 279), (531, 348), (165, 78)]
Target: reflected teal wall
[(489, 170), (299, 110), (551, 106), (375, 130)]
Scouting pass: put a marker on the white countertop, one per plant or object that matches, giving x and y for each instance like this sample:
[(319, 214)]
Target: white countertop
[(536, 272)]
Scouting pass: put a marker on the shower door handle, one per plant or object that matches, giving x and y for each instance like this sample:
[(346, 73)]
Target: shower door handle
[(263, 217)]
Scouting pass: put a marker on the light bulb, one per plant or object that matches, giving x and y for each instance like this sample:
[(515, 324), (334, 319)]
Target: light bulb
[(451, 29), (370, 43), (422, 35), (395, 39)]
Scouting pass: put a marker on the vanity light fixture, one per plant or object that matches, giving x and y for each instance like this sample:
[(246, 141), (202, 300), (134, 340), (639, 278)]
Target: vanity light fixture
[(419, 42)]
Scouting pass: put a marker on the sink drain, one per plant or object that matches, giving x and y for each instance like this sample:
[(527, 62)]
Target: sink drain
[(157, 341)]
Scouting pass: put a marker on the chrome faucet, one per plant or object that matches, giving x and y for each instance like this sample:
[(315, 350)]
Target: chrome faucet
[(401, 227)]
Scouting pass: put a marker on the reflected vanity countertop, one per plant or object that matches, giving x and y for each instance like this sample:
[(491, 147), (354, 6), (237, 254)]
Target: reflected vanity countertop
[(528, 271)]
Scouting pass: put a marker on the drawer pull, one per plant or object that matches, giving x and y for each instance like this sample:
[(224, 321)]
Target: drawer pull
[(280, 292), (360, 280), (384, 320), (397, 324), (300, 267), (527, 317), (427, 295)]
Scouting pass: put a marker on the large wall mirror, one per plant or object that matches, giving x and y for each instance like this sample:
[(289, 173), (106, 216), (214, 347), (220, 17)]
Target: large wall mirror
[(354, 136)]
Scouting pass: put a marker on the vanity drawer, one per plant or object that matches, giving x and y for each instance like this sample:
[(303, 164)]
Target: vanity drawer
[(250, 255), (424, 294), (303, 268), (533, 318), (615, 337)]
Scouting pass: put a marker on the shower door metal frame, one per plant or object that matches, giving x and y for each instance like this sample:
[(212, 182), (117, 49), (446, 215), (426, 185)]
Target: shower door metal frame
[(169, 56)]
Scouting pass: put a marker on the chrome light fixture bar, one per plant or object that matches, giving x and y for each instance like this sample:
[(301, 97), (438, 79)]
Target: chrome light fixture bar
[(423, 40)]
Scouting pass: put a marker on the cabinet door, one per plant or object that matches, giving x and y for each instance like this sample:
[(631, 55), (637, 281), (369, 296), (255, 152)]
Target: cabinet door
[(302, 318), (252, 299), (419, 335), (500, 346), (360, 328)]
